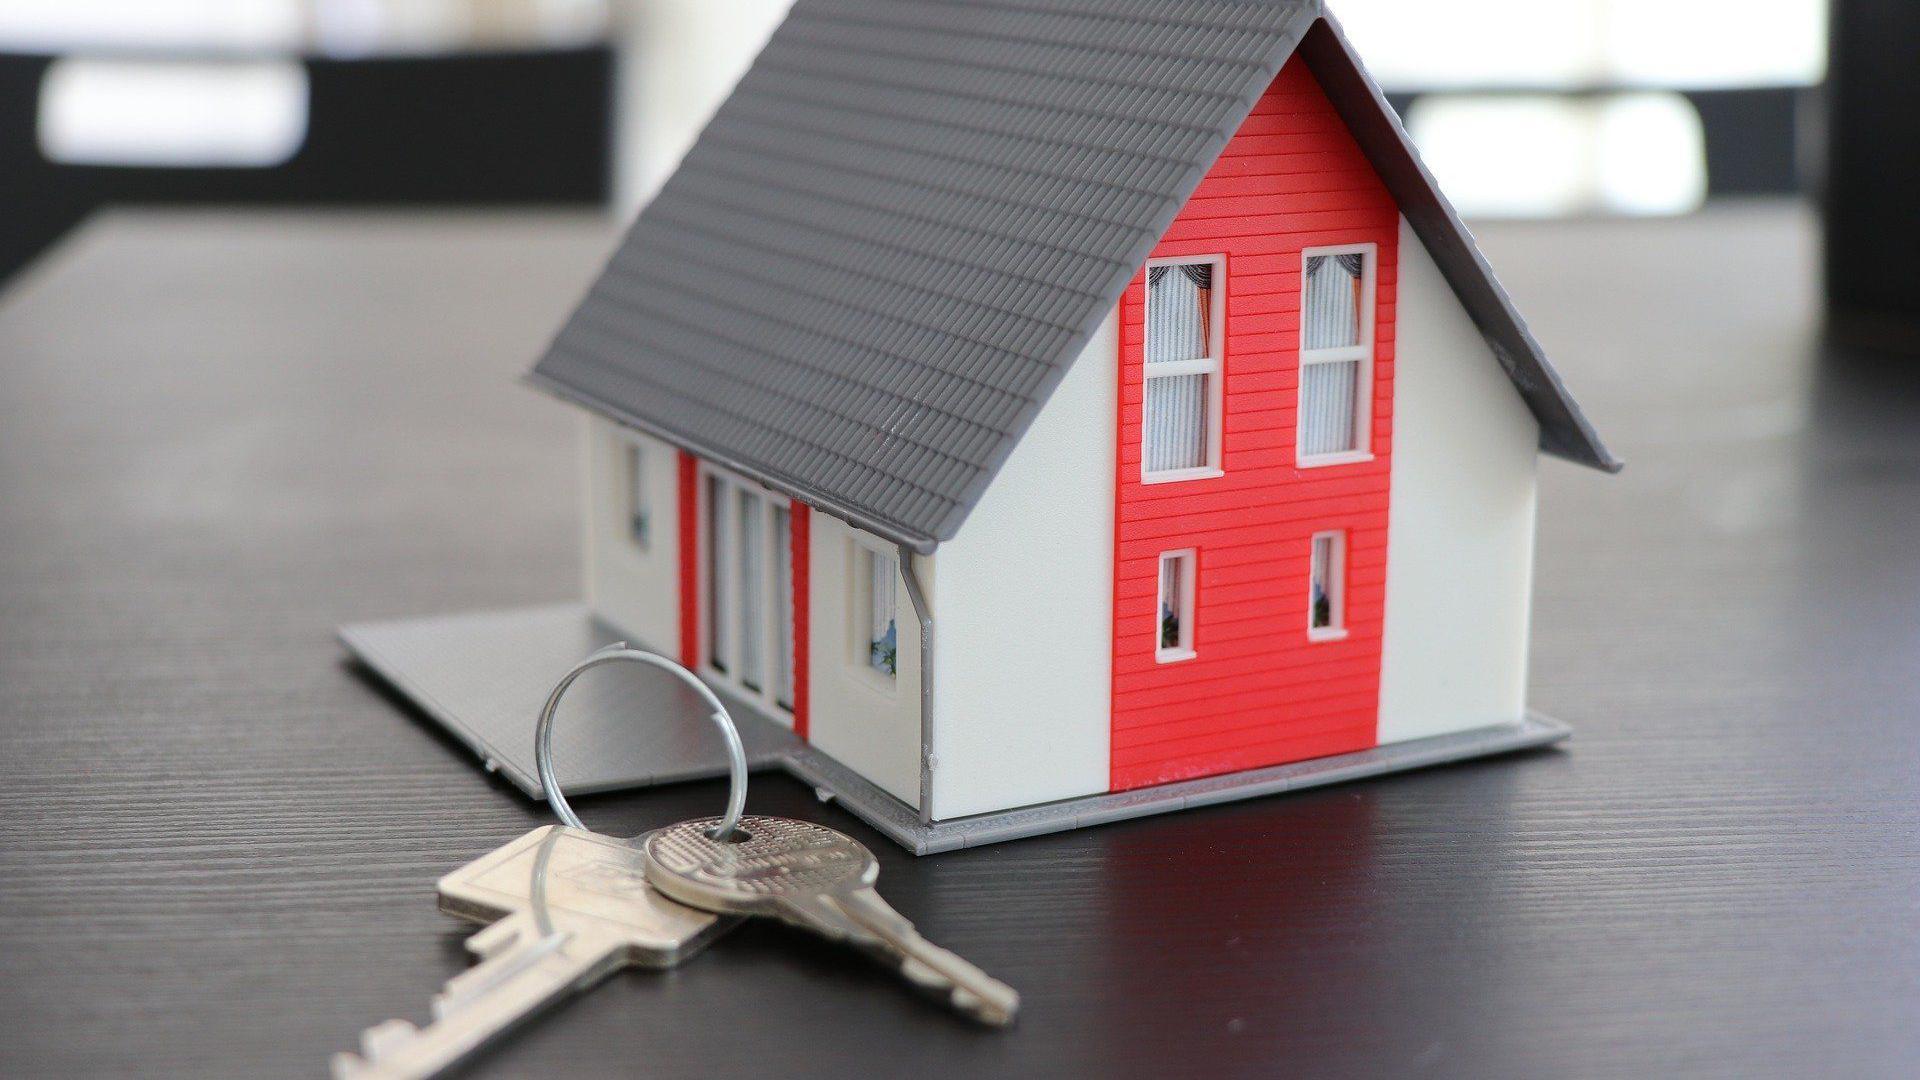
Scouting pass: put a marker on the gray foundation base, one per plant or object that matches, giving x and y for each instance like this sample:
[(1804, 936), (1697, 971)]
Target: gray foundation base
[(484, 676)]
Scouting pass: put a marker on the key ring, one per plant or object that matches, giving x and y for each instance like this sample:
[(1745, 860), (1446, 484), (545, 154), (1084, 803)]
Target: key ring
[(543, 735)]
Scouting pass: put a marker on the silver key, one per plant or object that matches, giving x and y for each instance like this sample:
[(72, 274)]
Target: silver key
[(572, 907), (818, 879)]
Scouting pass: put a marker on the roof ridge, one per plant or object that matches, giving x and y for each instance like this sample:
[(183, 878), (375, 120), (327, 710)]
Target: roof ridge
[(1145, 54), (1103, 10)]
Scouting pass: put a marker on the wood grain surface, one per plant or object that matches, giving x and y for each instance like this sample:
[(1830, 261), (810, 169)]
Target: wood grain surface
[(223, 434)]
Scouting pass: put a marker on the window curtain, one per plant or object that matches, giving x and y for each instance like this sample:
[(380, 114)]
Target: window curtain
[(1327, 393), (1329, 390), (1176, 422), (1178, 307), (1332, 301)]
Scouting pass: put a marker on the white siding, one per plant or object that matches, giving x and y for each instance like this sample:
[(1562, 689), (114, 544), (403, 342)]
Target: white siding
[(1023, 611), (636, 591), (866, 721), (1460, 523)]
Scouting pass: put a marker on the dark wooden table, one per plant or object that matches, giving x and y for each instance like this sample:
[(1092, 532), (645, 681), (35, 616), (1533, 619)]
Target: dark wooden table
[(221, 435)]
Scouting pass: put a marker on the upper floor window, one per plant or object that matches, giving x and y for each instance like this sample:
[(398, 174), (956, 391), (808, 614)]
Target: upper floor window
[(1336, 354), (1180, 415)]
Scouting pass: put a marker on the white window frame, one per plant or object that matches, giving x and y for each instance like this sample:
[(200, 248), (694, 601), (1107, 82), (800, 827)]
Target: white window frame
[(1336, 586), (633, 457), (1214, 365), (1190, 580), (767, 696), (1363, 352), (860, 609)]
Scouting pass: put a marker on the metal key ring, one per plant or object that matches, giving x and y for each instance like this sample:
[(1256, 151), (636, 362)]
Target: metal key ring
[(543, 735)]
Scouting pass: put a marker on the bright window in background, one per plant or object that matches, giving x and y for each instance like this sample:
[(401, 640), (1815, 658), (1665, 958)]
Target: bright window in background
[(1527, 155), (333, 27), (158, 25), (1583, 118), (168, 113), (1562, 44)]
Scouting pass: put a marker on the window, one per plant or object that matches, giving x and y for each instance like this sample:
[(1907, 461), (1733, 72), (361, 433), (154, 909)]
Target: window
[(1173, 632), (1327, 587), (1336, 355), (639, 510), (747, 566), (783, 606), (1180, 417), (876, 627), (719, 578)]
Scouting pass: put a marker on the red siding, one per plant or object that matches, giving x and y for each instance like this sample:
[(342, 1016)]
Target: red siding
[(689, 561), (1258, 692)]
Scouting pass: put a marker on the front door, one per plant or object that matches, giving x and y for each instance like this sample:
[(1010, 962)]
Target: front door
[(747, 590)]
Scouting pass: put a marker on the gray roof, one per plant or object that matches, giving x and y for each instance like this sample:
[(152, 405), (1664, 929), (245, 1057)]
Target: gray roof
[(884, 250)]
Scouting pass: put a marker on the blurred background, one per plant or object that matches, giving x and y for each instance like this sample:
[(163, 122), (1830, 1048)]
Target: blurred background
[(1625, 107), (269, 270)]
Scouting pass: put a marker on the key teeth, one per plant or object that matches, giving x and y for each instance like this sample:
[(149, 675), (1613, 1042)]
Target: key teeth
[(375, 1043), (378, 1041), (497, 937), (982, 1010)]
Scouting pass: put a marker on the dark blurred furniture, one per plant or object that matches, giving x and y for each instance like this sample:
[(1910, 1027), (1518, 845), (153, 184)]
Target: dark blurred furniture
[(483, 128), (1872, 188), (224, 436)]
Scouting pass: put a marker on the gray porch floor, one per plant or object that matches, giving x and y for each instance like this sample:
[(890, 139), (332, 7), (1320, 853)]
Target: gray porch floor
[(484, 676)]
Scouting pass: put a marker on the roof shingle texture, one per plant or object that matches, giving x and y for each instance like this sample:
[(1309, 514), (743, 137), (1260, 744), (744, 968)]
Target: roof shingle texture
[(891, 240)]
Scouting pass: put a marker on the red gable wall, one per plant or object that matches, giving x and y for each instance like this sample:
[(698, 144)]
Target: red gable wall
[(1258, 692)]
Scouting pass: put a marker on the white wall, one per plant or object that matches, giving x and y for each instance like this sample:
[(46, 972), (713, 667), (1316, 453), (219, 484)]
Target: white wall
[(1023, 611), (637, 591), (1460, 522), (679, 60), (855, 714)]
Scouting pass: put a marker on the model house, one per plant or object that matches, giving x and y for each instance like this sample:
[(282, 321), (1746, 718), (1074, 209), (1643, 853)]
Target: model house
[(1069, 405)]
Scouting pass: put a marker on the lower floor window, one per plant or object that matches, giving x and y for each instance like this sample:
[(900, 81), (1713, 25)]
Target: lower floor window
[(639, 507), (1174, 628), (877, 636), (1326, 585)]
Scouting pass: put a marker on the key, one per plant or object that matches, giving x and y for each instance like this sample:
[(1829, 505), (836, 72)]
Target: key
[(571, 907), (818, 879)]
